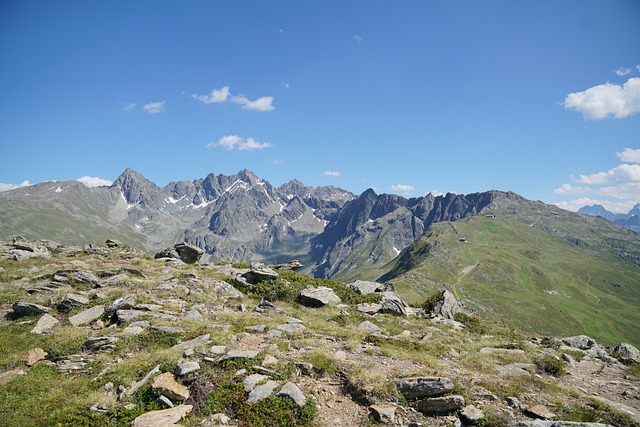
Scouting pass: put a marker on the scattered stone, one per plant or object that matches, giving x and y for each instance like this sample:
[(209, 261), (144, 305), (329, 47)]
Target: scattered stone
[(42, 287), (165, 401), (100, 343), (196, 342), (293, 392), (167, 329), (292, 328), (241, 354), (269, 360), (113, 280), (252, 381), (370, 328), (33, 356), (318, 297), (256, 328), (383, 414), (267, 305), (516, 404), (193, 315), (539, 411), (45, 324), (124, 302), (471, 415), (87, 316), (71, 301), (167, 385), (420, 387), (223, 288), (259, 272), (369, 308), (23, 308), (83, 276), (186, 367), (440, 405), (262, 392), (162, 418), (133, 330), (570, 360), (493, 350), (516, 369), (364, 287), (291, 265), (185, 252), (8, 376), (73, 363), (218, 349)]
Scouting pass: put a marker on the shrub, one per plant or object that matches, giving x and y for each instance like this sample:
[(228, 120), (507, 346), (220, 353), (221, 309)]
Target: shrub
[(473, 323), (551, 365)]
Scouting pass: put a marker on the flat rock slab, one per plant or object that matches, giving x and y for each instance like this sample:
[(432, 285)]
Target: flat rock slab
[(33, 356), (162, 418), (262, 392), (73, 300), (186, 367), (45, 324), (539, 411), (471, 415), (369, 308), (364, 287), (252, 381), (318, 297), (293, 392), (421, 387), (241, 354), (192, 344), (23, 308), (87, 316), (370, 327), (292, 328), (516, 369), (100, 343), (440, 405), (167, 385)]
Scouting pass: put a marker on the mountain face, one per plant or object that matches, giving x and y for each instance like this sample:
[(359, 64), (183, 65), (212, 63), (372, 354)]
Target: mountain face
[(630, 220)]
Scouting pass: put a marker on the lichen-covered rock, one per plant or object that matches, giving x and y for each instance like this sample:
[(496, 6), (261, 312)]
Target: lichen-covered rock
[(318, 297), (87, 316), (162, 418), (626, 353), (421, 387), (364, 287), (440, 405)]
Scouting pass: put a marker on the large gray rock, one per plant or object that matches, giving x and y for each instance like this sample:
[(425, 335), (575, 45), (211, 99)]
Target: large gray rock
[(440, 405), (471, 415), (370, 328), (293, 392), (83, 276), (261, 392), (22, 249), (72, 301), (259, 272), (45, 324), (392, 303), (124, 302), (318, 297), (223, 288), (162, 418), (626, 353), (364, 287), (87, 316), (252, 381), (292, 328), (23, 308), (420, 387), (448, 306), (185, 252), (581, 342), (369, 308)]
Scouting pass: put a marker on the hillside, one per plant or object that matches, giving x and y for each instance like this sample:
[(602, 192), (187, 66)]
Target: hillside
[(105, 336), (524, 276)]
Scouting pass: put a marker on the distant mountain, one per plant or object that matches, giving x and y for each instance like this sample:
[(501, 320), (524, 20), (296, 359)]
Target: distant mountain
[(629, 220)]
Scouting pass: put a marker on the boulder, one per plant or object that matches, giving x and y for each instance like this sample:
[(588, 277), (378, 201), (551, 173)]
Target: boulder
[(83, 276), (112, 243), (318, 297), (392, 303), (370, 328), (23, 308), (163, 417), (292, 328), (364, 287), (72, 301), (420, 387), (369, 308), (440, 405), (100, 343), (225, 289), (192, 344), (448, 306), (252, 381), (45, 324), (87, 316), (186, 367), (581, 342), (539, 411), (383, 414), (22, 249), (185, 252), (259, 272), (124, 302), (291, 265), (626, 353), (261, 392), (471, 415), (293, 392), (167, 385)]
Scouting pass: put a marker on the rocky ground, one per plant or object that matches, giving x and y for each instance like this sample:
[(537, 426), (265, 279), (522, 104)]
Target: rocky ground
[(107, 336)]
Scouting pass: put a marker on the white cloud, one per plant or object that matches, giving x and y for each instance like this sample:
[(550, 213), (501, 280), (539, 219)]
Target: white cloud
[(621, 173), (607, 100), (617, 207), (331, 173), (7, 187), (154, 107), (285, 85), (358, 39), (233, 142), (628, 191), (629, 155), (403, 188), (216, 96), (261, 104), (570, 189), (623, 71), (129, 107), (91, 181), (277, 161)]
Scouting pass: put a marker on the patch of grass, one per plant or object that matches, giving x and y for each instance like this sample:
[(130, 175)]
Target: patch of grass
[(551, 365), (323, 363), (64, 342)]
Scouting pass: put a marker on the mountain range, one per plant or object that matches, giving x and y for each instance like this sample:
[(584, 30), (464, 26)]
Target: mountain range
[(630, 220)]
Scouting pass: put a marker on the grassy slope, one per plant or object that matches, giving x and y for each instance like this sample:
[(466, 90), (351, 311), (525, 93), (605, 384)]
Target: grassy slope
[(527, 278)]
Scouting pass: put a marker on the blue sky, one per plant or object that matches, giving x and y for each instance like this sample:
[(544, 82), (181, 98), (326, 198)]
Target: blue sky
[(537, 97)]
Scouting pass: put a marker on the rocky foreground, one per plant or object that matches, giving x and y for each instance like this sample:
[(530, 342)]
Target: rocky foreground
[(105, 335)]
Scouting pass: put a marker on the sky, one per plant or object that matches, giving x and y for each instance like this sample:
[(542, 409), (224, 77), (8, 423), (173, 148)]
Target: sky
[(409, 97)]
